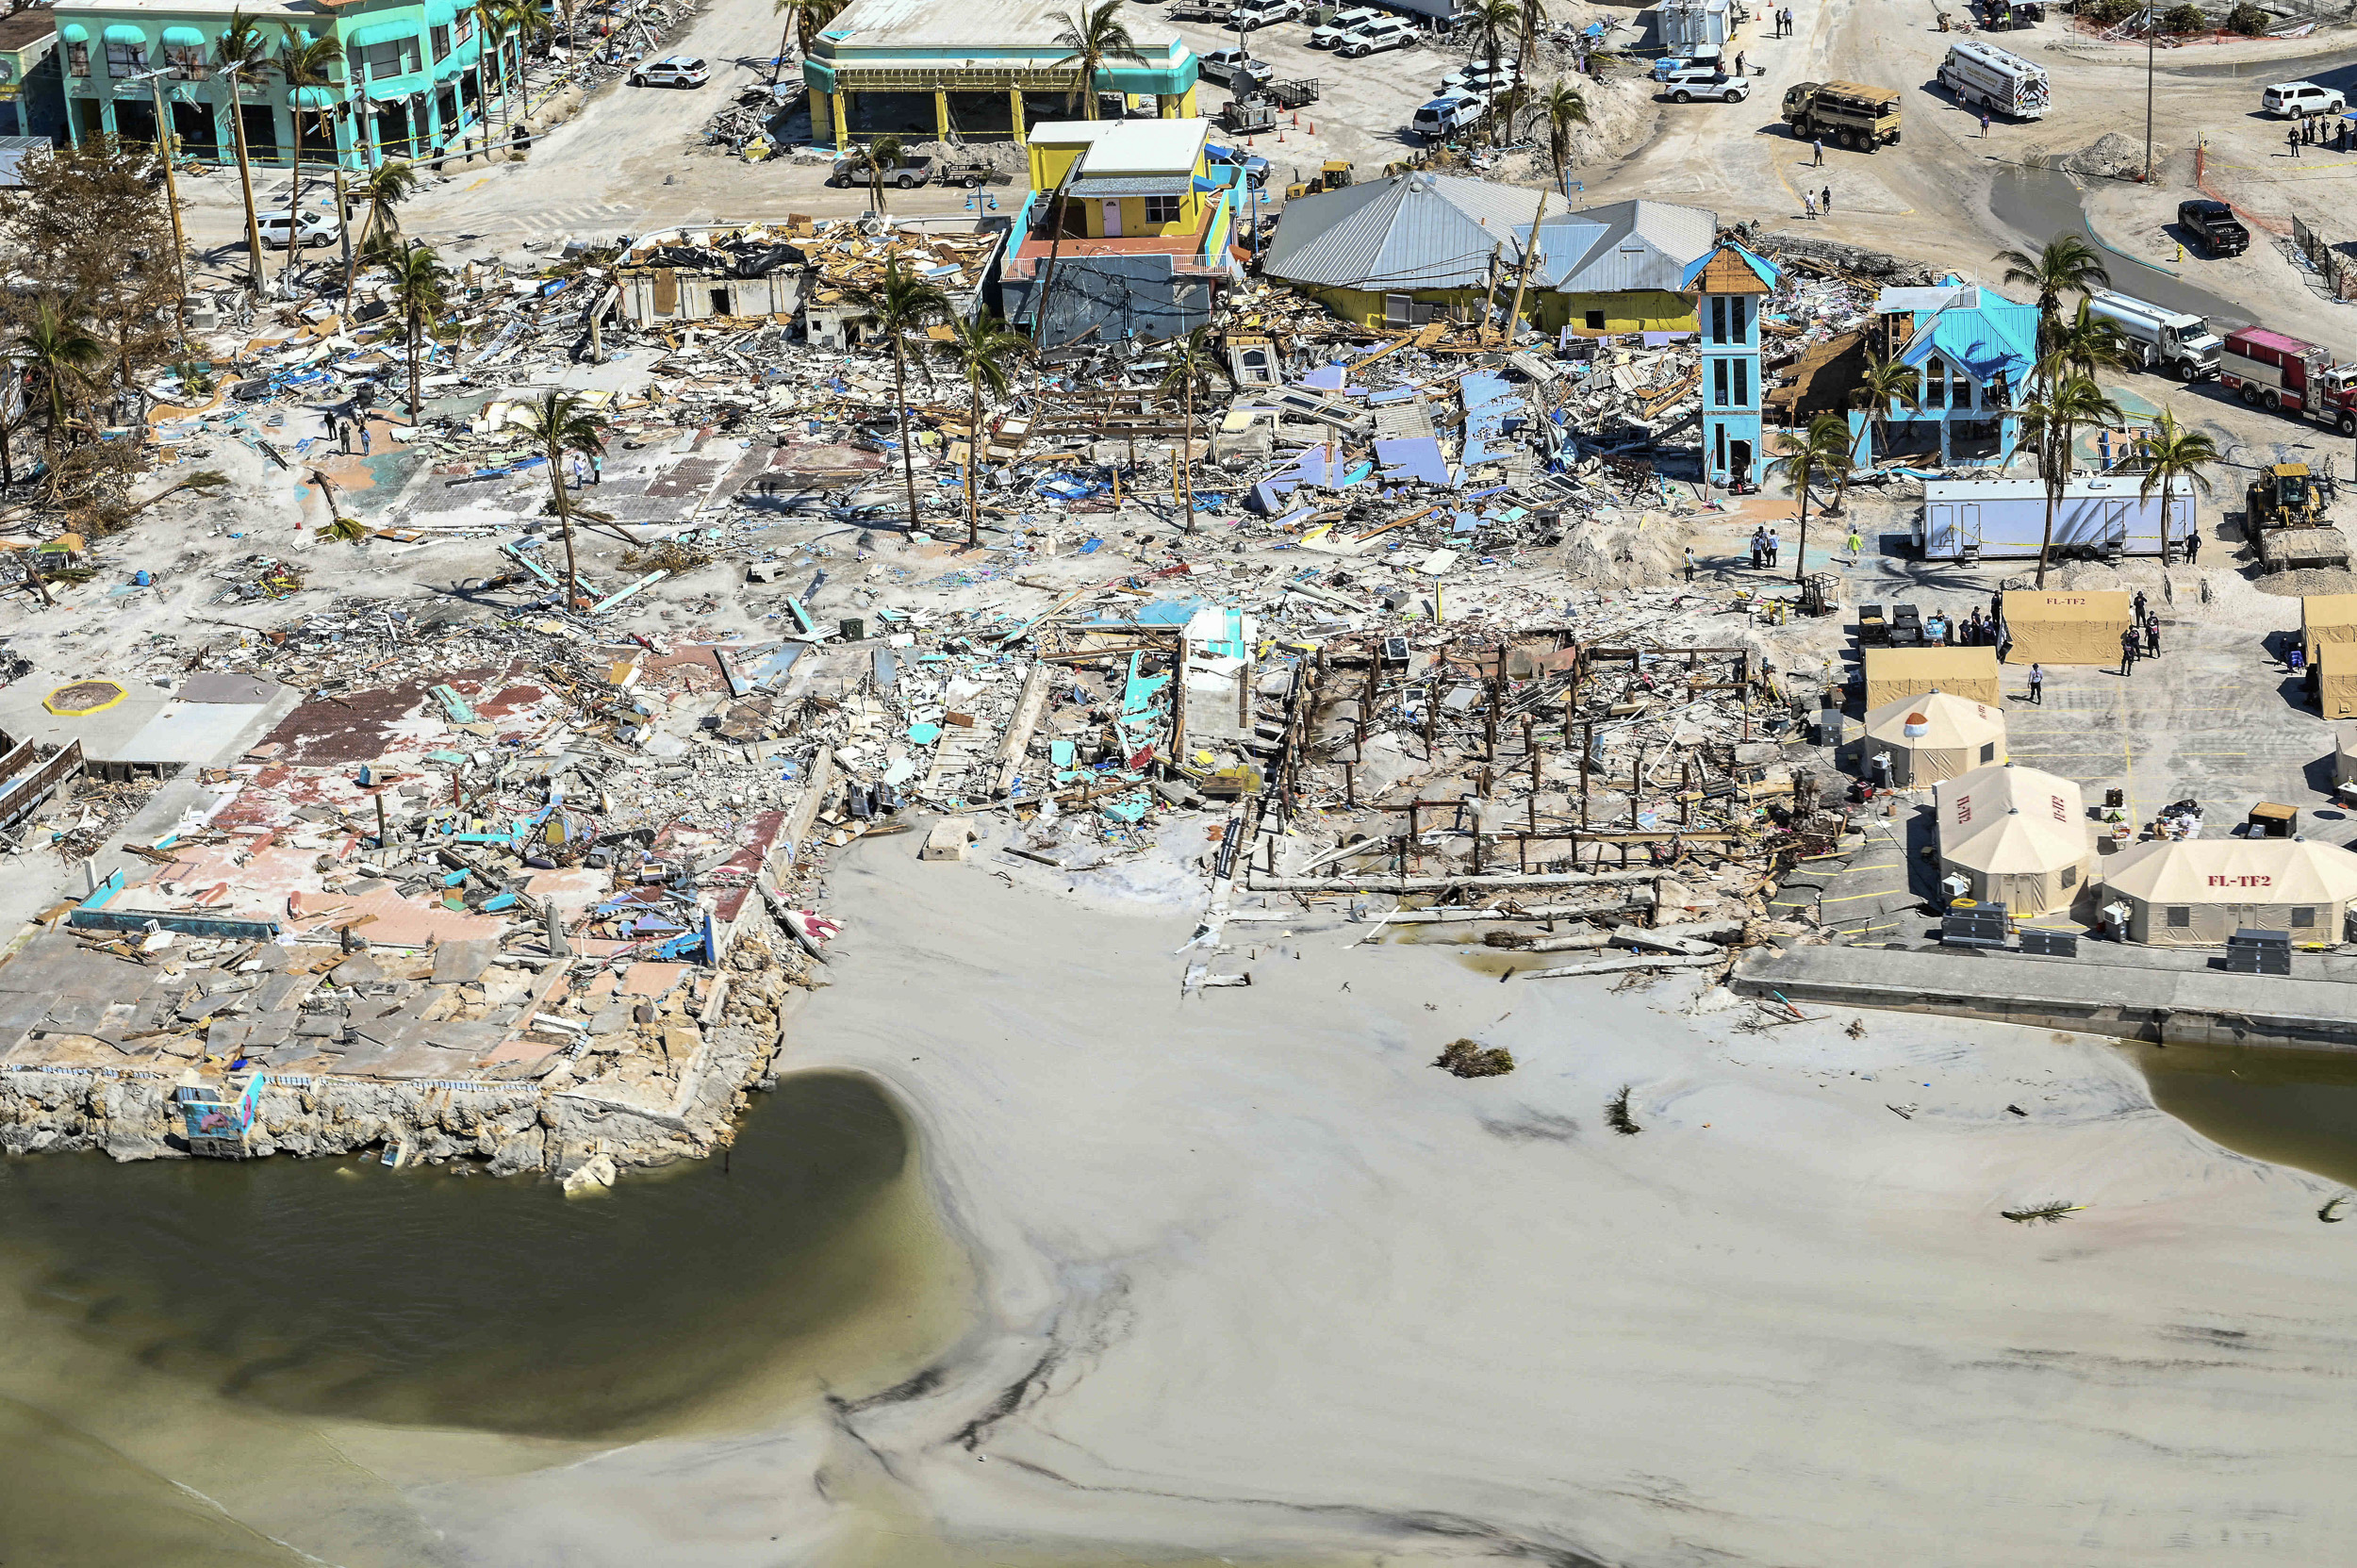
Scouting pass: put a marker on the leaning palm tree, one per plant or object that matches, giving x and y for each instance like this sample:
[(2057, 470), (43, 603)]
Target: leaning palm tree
[(1191, 362), (1819, 452), (1564, 107), (899, 303), (980, 349), (420, 291), (803, 18), (886, 151), (490, 17), (305, 63), (2048, 430), (1884, 383), (385, 187), (58, 353), (559, 425), (1534, 17), (527, 21), (1095, 35), (2173, 455), (1493, 20), (2067, 265), (238, 51)]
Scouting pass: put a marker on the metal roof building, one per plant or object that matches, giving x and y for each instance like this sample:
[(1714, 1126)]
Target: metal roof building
[(1408, 232), (1623, 246)]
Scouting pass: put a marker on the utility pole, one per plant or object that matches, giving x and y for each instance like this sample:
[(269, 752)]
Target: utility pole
[(2152, 19), (164, 139)]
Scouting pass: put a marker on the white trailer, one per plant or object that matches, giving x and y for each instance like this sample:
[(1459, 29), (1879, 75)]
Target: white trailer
[(2171, 342), (1685, 24), (2005, 518), (1983, 75)]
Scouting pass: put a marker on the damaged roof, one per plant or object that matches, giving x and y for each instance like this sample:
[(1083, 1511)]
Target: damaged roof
[(1410, 231)]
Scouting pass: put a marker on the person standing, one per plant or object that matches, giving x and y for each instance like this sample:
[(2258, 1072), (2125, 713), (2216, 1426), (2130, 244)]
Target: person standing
[(1983, 125), (1820, 144), (1808, 205), (2293, 137), (1759, 548), (2193, 545), (1689, 563), (596, 468), (2153, 639), (2143, 612), (1856, 543), (2128, 652), (2038, 685), (1824, 200), (1738, 64), (340, 428), (1775, 550)]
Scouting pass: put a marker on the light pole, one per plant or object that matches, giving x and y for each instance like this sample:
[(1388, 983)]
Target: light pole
[(2151, 21), (164, 139)]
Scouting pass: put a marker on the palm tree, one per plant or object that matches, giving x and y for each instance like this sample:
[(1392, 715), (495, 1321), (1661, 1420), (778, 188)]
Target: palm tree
[(2172, 453), (490, 17), (2050, 422), (803, 18), (2067, 265), (1191, 360), (1822, 449), (58, 353), (420, 292), (2085, 343), (527, 21), (385, 187), (1095, 35), (980, 349), (1886, 381), (239, 49), (886, 151), (305, 63), (1564, 107), (560, 423), (1534, 17), (1493, 18), (899, 304)]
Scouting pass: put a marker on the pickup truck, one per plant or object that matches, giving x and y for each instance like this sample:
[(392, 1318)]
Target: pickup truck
[(1224, 65), (1216, 15), (907, 175), (2214, 229)]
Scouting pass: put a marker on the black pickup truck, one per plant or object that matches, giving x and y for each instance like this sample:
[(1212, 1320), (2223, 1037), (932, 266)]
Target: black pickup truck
[(2214, 229)]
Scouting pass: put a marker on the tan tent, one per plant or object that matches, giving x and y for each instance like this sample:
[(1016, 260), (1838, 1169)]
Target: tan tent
[(1895, 672), (2199, 892), (1934, 737), (2327, 618), (2066, 628), (2019, 836), (2336, 679), (2345, 759)]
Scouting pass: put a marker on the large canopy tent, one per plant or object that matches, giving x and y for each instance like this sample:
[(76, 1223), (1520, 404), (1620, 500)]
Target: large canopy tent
[(2196, 893), (1893, 673), (2019, 838), (2066, 628), (2327, 618), (2336, 679), (2345, 759), (1934, 736)]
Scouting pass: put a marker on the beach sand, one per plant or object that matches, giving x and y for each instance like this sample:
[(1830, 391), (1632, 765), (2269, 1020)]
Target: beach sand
[(1260, 1284)]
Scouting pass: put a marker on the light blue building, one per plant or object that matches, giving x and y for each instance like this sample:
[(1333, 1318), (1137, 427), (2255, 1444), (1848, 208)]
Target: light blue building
[(1972, 350), (409, 81), (1730, 283)]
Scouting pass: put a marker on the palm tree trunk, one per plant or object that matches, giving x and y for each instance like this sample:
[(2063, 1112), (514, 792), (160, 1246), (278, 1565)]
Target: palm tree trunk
[(563, 521), (1186, 464), (245, 184), (2054, 497), (1088, 87), (1799, 552), (974, 458), (415, 409), (777, 67), (352, 267), (1047, 268), (294, 202), (901, 395)]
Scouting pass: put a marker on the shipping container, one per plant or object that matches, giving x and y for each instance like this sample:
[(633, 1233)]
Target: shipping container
[(2005, 518)]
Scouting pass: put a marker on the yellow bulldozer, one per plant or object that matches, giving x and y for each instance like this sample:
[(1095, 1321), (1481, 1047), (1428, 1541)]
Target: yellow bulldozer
[(1334, 175), (2282, 496)]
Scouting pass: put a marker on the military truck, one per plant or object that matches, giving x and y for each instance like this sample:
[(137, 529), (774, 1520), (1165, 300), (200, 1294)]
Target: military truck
[(2283, 518), (1849, 114)]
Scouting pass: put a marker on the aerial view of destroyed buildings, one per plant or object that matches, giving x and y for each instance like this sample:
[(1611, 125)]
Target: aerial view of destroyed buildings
[(459, 599)]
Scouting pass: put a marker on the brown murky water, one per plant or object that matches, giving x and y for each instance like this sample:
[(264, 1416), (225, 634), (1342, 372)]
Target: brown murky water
[(184, 1340), (2293, 1107)]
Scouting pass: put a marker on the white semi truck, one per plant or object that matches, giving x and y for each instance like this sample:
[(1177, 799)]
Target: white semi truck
[(2170, 341), (1984, 77)]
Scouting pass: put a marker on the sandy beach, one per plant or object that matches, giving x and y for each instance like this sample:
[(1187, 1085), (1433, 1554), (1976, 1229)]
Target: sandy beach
[(1257, 1283)]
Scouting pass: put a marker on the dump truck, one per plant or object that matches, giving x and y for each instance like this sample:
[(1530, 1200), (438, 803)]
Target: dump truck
[(1333, 175), (2289, 375), (1849, 114), (2284, 520)]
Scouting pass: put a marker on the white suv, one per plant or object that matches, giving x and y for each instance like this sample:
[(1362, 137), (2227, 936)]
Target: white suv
[(1387, 32), (313, 229), (1705, 81), (677, 70), (2298, 100), (1477, 78), (1327, 35)]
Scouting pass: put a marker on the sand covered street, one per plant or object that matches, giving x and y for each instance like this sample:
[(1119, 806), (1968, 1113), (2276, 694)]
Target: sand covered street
[(1258, 1284)]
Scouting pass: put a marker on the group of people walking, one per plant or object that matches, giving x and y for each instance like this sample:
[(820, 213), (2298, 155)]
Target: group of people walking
[(2142, 640), (1767, 549)]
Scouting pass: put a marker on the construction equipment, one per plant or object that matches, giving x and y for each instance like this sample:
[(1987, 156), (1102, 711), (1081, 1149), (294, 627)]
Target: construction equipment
[(1333, 175), (2282, 496)]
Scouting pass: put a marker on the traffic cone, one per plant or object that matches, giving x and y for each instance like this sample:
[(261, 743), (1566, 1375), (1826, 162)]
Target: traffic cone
[(1281, 139), (1296, 118)]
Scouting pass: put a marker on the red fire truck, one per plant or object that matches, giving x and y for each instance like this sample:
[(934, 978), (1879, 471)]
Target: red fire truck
[(2289, 375)]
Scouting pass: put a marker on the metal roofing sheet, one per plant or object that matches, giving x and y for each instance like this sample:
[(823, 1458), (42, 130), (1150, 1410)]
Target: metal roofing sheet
[(1410, 231)]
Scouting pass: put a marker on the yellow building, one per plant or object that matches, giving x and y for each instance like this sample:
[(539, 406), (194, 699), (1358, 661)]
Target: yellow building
[(1399, 250), (1124, 179)]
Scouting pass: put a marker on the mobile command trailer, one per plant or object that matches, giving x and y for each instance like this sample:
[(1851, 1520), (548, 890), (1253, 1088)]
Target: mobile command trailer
[(1984, 77), (2170, 341), (1686, 23), (2005, 518)]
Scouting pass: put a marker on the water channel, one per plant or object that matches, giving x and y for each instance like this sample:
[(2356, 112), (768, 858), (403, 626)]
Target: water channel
[(2292, 1108), (151, 1314)]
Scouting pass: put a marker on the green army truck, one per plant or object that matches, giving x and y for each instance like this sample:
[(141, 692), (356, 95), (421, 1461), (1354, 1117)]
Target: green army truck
[(1849, 114)]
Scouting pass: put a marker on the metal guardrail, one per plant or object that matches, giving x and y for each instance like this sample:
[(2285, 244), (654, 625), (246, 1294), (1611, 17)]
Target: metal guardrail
[(24, 797)]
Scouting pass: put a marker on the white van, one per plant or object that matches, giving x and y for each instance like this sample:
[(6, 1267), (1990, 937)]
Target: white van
[(2298, 100), (1984, 77)]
